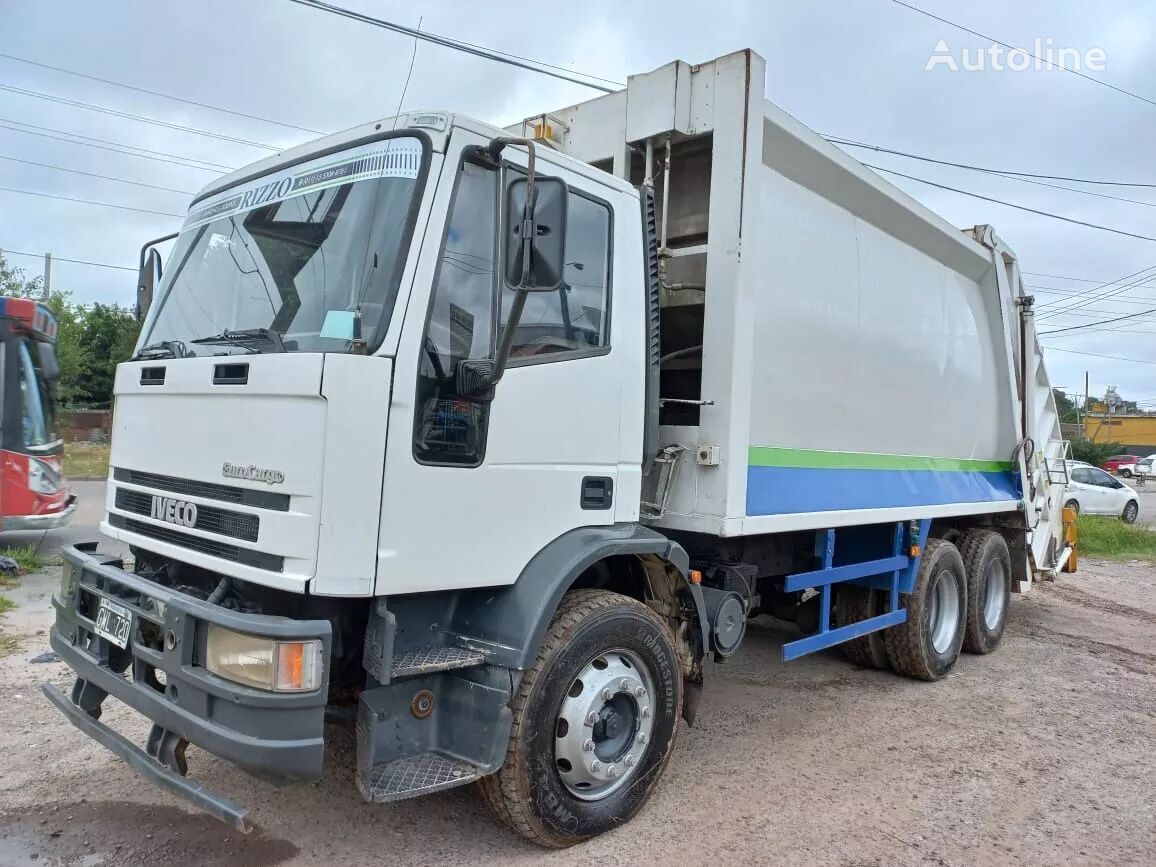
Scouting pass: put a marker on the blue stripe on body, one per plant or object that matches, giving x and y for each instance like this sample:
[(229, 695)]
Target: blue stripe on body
[(789, 490)]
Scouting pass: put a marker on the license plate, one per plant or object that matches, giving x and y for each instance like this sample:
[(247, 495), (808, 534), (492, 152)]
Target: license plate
[(113, 622)]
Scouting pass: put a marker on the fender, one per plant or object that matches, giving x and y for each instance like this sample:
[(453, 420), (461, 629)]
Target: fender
[(508, 624)]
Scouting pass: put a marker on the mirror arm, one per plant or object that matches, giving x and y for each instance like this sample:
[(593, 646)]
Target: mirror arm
[(144, 251), (494, 149)]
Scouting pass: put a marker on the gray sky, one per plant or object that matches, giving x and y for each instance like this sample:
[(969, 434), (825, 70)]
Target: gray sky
[(853, 68)]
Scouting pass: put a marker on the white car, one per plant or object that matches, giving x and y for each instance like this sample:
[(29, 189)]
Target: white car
[(1095, 492), (1144, 467)]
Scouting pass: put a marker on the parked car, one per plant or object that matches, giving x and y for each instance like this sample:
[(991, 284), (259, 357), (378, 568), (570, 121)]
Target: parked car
[(1094, 492), (1125, 465), (1144, 466)]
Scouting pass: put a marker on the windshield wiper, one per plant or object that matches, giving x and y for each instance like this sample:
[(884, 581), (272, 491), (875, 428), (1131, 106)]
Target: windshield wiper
[(162, 349), (245, 336)]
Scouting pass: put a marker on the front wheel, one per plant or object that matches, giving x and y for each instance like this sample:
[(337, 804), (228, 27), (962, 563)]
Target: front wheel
[(1131, 512), (595, 719), (1073, 505)]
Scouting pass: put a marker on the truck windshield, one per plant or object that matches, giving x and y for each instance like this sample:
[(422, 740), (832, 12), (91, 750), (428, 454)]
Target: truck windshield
[(302, 260)]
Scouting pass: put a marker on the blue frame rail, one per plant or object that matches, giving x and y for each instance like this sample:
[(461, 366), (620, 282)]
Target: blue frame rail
[(895, 574)]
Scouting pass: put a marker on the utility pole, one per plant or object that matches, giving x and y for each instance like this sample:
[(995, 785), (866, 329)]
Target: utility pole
[(1085, 404), (47, 275)]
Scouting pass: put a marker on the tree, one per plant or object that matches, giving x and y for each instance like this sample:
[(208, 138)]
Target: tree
[(1066, 407), (1094, 453)]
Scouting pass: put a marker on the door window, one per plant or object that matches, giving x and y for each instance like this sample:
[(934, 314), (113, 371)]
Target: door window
[(1082, 475), (575, 318), (1103, 480), (449, 429)]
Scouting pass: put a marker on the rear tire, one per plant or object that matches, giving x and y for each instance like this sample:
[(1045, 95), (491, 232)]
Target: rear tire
[(545, 790), (1131, 512), (853, 604), (927, 644), (1126, 473), (988, 564), (1073, 505)]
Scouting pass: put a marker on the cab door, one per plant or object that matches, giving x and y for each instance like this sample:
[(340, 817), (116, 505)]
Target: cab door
[(473, 487)]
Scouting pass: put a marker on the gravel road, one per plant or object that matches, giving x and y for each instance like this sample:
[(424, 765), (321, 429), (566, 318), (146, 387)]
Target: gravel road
[(1041, 753)]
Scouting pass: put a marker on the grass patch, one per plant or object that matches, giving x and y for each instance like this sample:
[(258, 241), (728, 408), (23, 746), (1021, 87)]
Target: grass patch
[(1112, 539), (6, 604), (26, 556), (86, 459)]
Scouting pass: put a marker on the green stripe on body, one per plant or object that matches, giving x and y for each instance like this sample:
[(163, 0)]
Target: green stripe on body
[(766, 456)]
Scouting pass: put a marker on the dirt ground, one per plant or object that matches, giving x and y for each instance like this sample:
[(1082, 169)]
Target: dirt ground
[(1042, 753)]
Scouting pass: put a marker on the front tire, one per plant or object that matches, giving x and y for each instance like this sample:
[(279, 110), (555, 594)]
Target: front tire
[(595, 720), (927, 644), (1131, 512), (988, 563)]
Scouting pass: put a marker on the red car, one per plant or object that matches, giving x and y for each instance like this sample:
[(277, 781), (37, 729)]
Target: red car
[(1125, 465)]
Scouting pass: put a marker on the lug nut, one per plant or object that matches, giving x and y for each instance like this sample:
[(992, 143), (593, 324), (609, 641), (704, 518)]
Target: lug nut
[(624, 685), (595, 767), (588, 745), (607, 695), (642, 738), (645, 713), (628, 761), (612, 772), (639, 692), (591, 718)]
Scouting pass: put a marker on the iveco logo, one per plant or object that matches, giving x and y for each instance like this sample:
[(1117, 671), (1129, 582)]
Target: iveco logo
[(251, 473), (174, 511)]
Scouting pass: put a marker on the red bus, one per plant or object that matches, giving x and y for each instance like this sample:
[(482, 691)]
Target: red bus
[(33, 492)]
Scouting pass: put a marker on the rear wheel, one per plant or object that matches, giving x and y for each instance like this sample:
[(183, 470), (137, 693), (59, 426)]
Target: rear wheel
[(853, 604), (1073, 505), (595, 719), (1126, 473), (927, 644), (1131, 512), (988, 564)]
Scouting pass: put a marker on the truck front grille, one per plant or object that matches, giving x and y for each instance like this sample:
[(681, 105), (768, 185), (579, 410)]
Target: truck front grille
[(206, 490), (258, 559), (239, 525)]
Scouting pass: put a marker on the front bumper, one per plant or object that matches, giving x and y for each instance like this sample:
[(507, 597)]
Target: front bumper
[(276, 736), (49, 521)]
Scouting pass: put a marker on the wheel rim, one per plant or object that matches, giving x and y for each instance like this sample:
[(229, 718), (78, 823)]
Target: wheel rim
[(943, 613), (605, 724), (994, 595), (1130, 511)]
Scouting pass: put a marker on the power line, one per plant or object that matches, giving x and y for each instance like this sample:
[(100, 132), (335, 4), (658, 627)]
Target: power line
[(56, 258), (1093, 324), (134, 87), (1050, 63), (839, 140), (1138, 278), (1012, 205), (90, 202), (1068, 294), (75, 103), (1066, 277), (1097, 355), (466, 47), (105, 145), (94, 175)]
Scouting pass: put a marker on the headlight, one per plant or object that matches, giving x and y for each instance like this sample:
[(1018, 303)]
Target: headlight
[(42, 478), (264, 663)]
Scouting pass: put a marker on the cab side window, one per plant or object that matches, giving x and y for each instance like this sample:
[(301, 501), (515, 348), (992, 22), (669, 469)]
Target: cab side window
[(1082, 475), (448, 428), (576, 317)]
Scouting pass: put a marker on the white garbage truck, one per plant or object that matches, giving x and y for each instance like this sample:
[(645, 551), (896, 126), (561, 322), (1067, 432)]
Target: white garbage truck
[(484, 441)]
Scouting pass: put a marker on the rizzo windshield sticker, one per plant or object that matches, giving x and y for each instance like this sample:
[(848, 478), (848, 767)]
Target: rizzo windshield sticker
[(399, 158)]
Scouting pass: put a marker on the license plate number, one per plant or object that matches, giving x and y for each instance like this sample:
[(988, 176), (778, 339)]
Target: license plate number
[(113, 623)]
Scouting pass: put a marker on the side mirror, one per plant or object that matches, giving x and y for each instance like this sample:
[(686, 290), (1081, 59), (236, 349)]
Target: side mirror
[(535, 263), (147, 281)]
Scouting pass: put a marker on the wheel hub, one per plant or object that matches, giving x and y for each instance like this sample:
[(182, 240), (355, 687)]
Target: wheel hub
[(604, 725), (944, 611), (993, 602)]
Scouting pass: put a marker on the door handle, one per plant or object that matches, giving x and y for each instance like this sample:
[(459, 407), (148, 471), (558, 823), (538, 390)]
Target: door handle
[(597, 492)]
